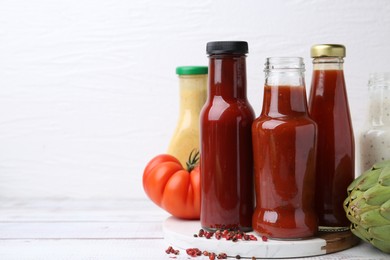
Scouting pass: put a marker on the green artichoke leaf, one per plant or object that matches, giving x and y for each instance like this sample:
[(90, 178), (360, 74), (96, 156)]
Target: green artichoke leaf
[(356, 181), (352, 219), (355, 194), (385, 210), (373, 218), (369, 180), (379, 165), (360, 232), (360, 206), (381, 233), (382, 245), (384, 177), (377, 195)]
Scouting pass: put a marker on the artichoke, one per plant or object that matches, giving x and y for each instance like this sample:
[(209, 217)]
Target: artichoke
[(368, 206)]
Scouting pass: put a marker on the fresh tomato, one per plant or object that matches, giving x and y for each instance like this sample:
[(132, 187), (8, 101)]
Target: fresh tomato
[(173, 188)]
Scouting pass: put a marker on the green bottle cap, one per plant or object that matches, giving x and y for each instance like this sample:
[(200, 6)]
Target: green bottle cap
[(191, 70)]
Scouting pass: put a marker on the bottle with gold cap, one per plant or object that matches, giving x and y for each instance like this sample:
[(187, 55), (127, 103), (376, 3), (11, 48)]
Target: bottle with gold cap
[(328, 107)]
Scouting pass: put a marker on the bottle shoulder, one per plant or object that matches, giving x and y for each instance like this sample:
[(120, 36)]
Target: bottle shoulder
[(376, 130), (267, 122), (328, 86), (219, 108)]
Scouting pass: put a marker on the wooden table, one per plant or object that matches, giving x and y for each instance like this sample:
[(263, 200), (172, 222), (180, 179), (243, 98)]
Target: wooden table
[(103, 229)]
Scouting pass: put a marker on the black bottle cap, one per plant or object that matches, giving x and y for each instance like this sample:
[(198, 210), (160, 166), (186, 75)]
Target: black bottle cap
[(227, 47)]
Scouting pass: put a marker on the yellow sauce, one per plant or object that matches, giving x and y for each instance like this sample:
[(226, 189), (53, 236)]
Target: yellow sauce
[(193, 94)]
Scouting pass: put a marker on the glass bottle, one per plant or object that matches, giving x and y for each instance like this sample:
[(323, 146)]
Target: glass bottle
[(375, 139), (328, 106), (226, 163), (284, 146), (193, 95)]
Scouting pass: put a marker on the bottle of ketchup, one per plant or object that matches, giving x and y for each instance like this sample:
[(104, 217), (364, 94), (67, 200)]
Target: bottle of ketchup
[(226, 163), (284, 146), (328, 106)]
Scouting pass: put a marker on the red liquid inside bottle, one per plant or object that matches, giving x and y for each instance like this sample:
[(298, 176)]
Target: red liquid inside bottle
[(328, 106), (284, 146), (226, 144)]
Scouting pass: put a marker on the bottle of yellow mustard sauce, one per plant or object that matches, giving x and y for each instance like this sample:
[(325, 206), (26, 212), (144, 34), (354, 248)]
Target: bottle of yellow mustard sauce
[(193, 94)]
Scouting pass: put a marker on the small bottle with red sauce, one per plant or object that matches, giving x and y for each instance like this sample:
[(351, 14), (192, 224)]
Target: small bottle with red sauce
[(284, 150), (328, 106), (226, 162)]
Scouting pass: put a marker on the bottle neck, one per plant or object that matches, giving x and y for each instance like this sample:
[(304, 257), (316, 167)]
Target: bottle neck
[(227, 76), (328, 63), (193, 91), (284, 90)]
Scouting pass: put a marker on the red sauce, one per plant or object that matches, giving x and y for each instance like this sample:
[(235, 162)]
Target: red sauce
[(284, 146), (329, 108), (226, 147)]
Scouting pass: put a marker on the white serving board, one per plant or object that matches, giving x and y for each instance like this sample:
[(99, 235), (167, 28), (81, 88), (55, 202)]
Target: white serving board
[(180, 234)]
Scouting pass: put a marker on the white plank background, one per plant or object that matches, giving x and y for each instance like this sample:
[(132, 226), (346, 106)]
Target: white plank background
[(88, 95), (88, 91)]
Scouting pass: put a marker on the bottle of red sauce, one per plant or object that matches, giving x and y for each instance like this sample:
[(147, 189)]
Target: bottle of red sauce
[(328, 106), (226, 162), (284, 146)]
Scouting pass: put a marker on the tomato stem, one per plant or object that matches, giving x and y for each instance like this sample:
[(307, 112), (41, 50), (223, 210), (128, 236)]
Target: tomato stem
[(193, 160)]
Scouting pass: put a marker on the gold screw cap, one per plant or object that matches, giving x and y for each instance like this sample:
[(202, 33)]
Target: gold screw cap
[(327, 50)]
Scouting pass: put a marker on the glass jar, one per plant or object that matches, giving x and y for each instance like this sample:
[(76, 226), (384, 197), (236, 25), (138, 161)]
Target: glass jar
[(226, 163), (328, 106), (193, 95), (284, 146), (375, 139)]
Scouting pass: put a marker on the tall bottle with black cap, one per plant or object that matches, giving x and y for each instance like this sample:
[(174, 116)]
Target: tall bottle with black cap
[(226, 144)]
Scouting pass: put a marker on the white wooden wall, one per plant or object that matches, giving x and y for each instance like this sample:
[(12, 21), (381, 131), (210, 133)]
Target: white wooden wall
[(88, 91)]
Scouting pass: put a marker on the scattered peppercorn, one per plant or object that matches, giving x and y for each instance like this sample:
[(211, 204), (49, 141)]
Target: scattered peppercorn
[(208, 235), (234, 236), (193, 252), (228, 235), (170, 250)]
